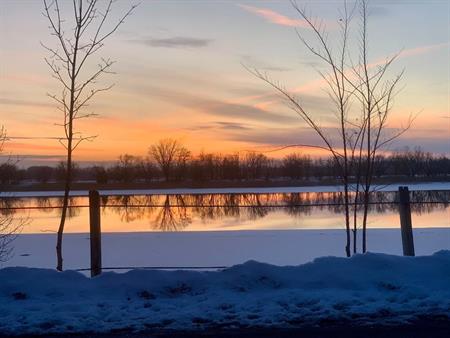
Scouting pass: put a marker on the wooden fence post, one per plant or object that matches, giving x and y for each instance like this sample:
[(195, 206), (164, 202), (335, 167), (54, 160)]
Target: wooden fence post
[(96, 240), (405, 221)]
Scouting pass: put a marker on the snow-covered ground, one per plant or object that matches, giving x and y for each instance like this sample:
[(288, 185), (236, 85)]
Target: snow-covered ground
[(193, 191), (214, 248), (365, 289)]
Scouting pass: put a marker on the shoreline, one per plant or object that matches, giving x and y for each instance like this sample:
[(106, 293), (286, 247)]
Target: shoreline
[(78, 192), (219, 184)]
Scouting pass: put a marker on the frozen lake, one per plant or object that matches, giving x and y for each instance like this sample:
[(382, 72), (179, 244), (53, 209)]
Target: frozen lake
[(214, 248)]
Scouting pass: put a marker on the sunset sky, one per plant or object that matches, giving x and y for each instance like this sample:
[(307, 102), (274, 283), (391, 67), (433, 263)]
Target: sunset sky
[(180, 74)]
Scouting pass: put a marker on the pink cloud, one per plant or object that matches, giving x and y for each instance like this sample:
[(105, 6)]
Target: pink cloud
[(315, 85), (274, 17), (411, 52), (423, 49)]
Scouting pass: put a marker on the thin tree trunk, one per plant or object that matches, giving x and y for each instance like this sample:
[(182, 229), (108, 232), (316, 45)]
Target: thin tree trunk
[(346, 182), (69, 134), (355, 217), (347, 218), (366, 192), (355, 208), (364, 222), (62, 222), (358, 185)]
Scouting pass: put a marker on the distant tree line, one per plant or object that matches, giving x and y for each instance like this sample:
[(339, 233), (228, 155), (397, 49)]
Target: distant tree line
[(169, 160)]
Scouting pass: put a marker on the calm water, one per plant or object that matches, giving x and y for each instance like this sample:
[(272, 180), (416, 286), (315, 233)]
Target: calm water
[(211, 212)]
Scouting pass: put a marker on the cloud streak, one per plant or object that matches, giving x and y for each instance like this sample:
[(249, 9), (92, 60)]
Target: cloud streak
[(176, 42), (255, 62), (274, 17), (232, 125), (221, 125), (220, 108), (20, 102), (273, 137), (422, 49)]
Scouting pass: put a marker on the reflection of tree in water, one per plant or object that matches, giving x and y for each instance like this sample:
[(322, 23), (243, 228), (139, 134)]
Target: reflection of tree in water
[(45, 204), (104, 202), (208, 207), (175, 212), (425, 201), (165, 213), (131, 208), (9, 206), (231, 204), (294, 204), (259, 205), (216, 206), (381, 202), (422, 202), (74, 208), (172, 217)]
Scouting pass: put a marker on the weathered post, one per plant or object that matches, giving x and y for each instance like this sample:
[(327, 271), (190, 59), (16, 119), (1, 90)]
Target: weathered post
[(96, 240), (405, 221)]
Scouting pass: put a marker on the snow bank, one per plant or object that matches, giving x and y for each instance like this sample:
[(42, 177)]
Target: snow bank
[(197, 191), (362, 290)]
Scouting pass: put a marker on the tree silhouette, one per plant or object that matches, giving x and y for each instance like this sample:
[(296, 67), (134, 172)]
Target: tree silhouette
[(76, 45)]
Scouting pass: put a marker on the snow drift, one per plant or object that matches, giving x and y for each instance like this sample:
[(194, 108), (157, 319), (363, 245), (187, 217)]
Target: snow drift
[(365, 289)]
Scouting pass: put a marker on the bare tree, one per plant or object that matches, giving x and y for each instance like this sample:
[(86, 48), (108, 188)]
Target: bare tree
[(375, 92), (337, 91), (360, 134), (78, 41), (296, 166), (254, 165), (126, 168), (169, 154)]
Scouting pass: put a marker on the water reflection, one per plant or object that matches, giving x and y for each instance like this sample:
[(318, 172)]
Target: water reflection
[(129, 208), (176, 212), (172, 217), (9, 206)]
